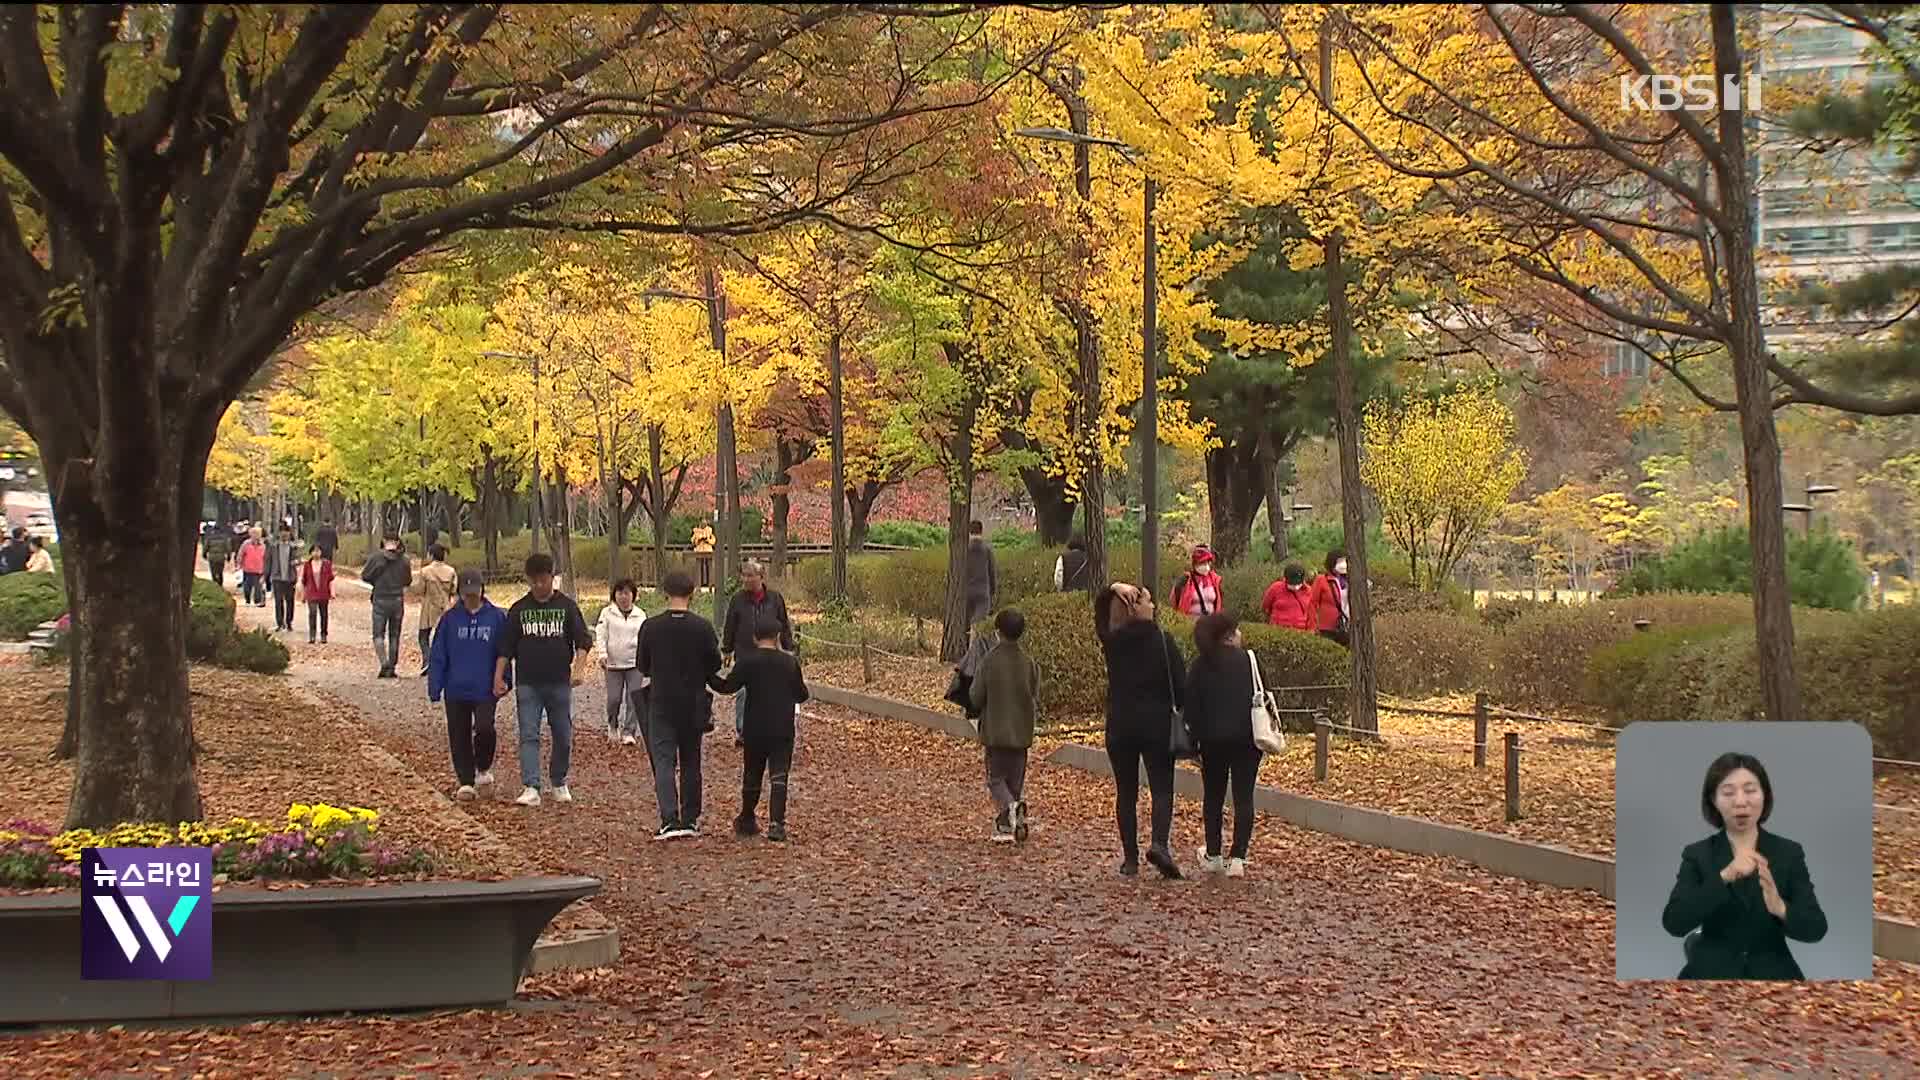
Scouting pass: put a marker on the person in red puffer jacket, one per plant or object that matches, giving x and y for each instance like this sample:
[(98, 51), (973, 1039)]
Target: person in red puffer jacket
[(1288, 602), (1199, 591), (316, 585), (1329, 598)]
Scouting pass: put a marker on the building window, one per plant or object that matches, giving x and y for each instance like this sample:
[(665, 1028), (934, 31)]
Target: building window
[(1625, 358), (1801, 42), (1801, 200), (1898, 236), (1809, 240)]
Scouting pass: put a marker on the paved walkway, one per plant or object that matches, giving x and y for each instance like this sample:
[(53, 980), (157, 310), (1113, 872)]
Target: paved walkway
[(889, 938)]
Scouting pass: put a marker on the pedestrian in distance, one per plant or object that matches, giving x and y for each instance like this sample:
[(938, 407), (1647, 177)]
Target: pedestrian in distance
[(216, 546), (1070, 569), (316, 584), (462, 669), (283, 575), (983, 574), (1218, 713), (253, 568), (754, 602), (1199, 591), (616, 643), (1329, 598), (39, 560), (327, 538), (1145, 686), (678, 655), (436, 586), (1289, 601), (1006, 693), (545, 642), (14, 556), (390, 574), (774, 687)]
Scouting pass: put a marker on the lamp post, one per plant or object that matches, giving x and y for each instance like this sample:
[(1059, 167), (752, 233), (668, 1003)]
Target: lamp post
[(1814, 489), (1149, 358), (539, 507)]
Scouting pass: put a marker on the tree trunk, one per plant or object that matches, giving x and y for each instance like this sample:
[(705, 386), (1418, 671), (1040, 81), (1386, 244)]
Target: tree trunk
[(837, 402), (450, 503), (1353, 508), (860, 512), (726, 563), (782, 502), (610, 490), (657, 507), (1237, 480), (1090, 432), (1766, 524), (954, 629), (490, 511)]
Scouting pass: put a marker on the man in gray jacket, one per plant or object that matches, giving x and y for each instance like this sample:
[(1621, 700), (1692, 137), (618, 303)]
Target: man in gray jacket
[(389, 572), (982, 579), (283, 573)]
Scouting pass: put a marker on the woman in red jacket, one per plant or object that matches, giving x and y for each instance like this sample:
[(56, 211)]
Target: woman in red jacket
[(1199, 591), (1329, 598), (1288, 603), (316, 583)]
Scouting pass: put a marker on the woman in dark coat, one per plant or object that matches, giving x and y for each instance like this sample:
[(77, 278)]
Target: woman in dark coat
[(1145, 680), (1219, 714), (1744, 889)]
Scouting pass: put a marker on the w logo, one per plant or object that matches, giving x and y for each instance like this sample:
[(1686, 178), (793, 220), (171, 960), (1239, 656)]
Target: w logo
[(124, 894), (150, 926)]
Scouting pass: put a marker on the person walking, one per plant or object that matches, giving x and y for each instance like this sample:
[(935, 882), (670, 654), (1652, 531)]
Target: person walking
[(1145, 684), (1199, 591), (1070, 569), (678, 655), (982, 574), (1288, 601), (327, 538), (1219, 716), (39, 560), (283, 574), (545, 638), (316, 584), (750, 605), (1329, 599), (436, 587), (462, 669), (616, 642), (390, 574), (14, 556), (216, 546), (769, 679), (253, 569), (1006, 694)]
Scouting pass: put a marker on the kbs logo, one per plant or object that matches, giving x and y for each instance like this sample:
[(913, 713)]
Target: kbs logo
[(1691, 93), (123, 893)]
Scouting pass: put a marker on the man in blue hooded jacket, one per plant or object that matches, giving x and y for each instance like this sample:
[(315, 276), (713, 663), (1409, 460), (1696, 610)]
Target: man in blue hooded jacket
[(461, 667)]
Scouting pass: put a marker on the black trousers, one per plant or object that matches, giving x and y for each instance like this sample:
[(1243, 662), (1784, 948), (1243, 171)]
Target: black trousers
[(425, 634), (317, 618), (1127, 758), (283, 605), (776, 761), (470, 736), (1222, 767)]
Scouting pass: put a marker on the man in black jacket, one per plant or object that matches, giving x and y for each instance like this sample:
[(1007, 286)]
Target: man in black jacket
[(982, 574), (13, 557), (771, 679), (678, 653), (327, 539), (389, 572), (750, 605)]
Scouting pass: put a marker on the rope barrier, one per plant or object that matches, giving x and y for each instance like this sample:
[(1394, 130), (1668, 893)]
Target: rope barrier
[(1896, 761), (1897, 809)]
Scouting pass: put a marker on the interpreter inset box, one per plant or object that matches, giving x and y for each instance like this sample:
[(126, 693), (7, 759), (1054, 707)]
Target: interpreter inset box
[(1743, 851)]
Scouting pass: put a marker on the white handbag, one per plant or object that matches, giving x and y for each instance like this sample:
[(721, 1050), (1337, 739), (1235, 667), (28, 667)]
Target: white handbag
[(1265, 715)]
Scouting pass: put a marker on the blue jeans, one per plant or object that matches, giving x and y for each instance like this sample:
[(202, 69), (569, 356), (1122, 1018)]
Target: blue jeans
[(556, 701)]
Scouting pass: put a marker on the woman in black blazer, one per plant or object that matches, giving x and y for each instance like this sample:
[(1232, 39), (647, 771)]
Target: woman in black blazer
[(1743, 889), (1145, 683), (1219, 713)]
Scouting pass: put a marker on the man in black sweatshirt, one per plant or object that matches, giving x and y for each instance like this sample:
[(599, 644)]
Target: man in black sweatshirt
[(389, 572), (773, 685), (545, 639), (678, 654)]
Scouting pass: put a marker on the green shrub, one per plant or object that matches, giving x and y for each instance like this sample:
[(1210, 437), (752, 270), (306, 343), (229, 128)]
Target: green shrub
[(1617, 675), (256, 651), (27, 600), (1291, 658), (1502, 610), (1822, 570), (209, 619), (1542, 658), (909, 534), (1423, 653), (1012, 538)]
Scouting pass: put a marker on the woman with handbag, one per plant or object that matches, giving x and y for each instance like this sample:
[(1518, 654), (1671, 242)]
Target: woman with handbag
[(1227, 707), (1145, 684), (1328, 599)]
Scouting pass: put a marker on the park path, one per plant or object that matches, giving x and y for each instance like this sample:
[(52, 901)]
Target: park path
[(889, 938)]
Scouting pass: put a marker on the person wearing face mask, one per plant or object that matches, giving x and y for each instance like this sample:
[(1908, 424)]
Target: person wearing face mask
[(1146, 680), (1743, 891), (1288, 602), (1329, 599), (1200, 590)]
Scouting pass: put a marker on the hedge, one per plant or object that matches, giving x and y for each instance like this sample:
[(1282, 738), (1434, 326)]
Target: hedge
[(27, 600), (1541, 660), (256, 651), (210, 611), (1823, 570), (1423, 653), (1619, 676)]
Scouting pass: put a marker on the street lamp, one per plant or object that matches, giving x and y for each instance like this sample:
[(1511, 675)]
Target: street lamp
[(1814, 489), (1149, 360)]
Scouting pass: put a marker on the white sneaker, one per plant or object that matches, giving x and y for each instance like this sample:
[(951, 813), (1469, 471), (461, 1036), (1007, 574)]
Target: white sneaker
[(529, 797), (628, 740), (485, 779), (1236, 868), (1209, 864), (613, 734), (561, 794), (465, 792)]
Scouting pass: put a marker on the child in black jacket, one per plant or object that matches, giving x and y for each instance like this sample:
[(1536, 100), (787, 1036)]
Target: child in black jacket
[(774, 686)]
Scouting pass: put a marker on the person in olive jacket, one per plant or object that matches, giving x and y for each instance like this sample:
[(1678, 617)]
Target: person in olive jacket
[(1146, 680), (1219, 716), (1743, 889), (1006, 694)]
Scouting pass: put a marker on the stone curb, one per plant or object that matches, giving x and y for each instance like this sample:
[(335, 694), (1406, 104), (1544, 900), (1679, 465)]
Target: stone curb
[(1546, 864)]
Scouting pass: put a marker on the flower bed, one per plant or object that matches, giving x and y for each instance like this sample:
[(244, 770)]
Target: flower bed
[(317, 842)]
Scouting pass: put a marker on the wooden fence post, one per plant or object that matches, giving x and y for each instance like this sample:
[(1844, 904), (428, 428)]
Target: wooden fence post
[(1480, 708), (1322, 736), (866, 659), (1513, 775)]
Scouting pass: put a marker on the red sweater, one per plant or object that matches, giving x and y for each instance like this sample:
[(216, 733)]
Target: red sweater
[(318, 587), (1289, 607), (1326, 601)]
